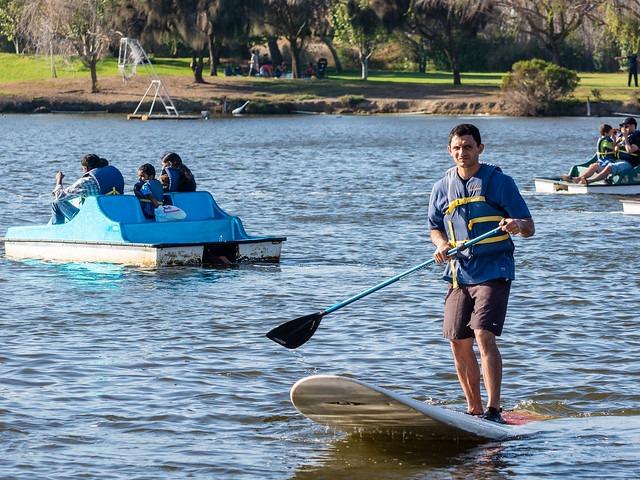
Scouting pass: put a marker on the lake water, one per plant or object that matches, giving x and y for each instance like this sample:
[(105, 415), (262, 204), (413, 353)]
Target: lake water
[(118, 373)]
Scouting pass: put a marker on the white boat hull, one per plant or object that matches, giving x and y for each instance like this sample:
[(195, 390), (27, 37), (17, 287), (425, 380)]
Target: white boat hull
[(140, 255), (556, 185), (631, 207)]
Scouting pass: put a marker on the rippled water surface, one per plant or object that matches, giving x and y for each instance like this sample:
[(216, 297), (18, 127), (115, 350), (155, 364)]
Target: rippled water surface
[(118, 373)]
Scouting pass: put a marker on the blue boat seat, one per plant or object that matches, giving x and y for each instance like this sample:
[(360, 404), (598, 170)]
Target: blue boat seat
[(197, 205), (121, 208)]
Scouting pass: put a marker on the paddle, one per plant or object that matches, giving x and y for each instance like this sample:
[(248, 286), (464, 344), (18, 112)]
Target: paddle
[(295, 333)]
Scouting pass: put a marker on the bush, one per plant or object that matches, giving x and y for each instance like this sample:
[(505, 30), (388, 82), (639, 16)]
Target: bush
[(352, 100), (533, 87)]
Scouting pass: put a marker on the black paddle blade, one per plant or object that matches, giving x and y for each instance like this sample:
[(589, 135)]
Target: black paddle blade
[(295, 333)]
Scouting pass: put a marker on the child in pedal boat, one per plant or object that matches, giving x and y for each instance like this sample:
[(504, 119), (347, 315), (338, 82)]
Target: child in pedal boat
[(148, 190)]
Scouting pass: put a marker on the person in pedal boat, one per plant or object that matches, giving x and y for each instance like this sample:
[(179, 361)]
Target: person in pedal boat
[(99, 178), (606, 155), (175, 176), (627, 153), (471, 199), (148, 190)]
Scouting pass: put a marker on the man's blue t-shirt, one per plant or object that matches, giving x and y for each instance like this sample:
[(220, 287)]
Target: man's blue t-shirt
[(501, 192)]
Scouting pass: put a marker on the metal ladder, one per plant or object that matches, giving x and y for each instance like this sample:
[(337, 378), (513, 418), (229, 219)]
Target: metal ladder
[(130, 55)]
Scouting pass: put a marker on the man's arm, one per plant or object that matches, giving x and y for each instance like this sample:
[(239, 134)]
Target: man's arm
[(77, 189)]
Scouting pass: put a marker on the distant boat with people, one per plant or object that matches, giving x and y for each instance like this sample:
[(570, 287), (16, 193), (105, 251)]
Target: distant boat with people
[(627, 183), (113, 229)]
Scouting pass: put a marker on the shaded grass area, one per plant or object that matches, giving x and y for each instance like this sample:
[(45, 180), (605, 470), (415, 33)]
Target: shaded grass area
[(381, 84)]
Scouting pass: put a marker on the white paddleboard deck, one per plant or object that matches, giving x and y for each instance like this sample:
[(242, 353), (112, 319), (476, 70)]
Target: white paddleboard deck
[(353, 406)]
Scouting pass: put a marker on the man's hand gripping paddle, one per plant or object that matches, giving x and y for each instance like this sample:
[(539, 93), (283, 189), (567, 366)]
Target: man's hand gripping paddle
[(295, 333)]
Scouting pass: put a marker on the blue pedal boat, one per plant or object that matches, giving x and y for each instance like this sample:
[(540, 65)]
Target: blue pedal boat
[(112, 229)]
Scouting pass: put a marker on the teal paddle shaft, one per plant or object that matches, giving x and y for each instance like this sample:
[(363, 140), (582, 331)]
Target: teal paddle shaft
[(295, 333), (394, 279)]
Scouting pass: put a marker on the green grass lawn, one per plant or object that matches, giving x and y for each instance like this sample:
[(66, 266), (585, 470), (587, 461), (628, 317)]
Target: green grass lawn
[(15, 68)]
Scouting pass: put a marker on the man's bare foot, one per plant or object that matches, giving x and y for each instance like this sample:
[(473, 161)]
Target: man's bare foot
[(566, 178)]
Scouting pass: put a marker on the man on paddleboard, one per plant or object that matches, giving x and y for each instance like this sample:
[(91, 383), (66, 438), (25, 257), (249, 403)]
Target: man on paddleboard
[(471, 199)]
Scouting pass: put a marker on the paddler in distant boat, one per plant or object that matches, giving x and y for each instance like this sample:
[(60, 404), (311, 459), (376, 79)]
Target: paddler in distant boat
[(99, 178), (471, 199), (175, 175)]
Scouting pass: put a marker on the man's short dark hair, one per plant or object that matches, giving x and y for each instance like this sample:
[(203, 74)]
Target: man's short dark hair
[(91, 161), (465, 129)]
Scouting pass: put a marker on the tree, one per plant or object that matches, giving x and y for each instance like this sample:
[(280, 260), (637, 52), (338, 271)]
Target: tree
[(76, 28), (623, 22), (10, 19), (549, 21), (224, 20), (356, 23), (295, 21), (447, 26)]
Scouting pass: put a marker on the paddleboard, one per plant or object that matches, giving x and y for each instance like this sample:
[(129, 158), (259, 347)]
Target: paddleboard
[(353, 406)]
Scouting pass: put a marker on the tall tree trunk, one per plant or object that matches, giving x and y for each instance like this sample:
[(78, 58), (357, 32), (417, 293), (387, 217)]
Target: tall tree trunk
[(295, 56), (274, 51), (328, 41), (421, 60), (52, 61), (555, 53), (16, 44), (94, 75), (455, 67), (364, 63), (197, 64), (214, 55)]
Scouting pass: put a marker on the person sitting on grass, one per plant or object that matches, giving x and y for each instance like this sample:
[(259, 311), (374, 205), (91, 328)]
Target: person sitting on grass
[(148, 190)]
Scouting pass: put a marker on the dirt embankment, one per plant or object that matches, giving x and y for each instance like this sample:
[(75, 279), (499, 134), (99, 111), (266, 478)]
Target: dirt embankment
[(220, 95)]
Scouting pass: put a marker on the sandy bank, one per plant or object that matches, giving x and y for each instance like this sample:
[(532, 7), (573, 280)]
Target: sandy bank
[(268, 96)]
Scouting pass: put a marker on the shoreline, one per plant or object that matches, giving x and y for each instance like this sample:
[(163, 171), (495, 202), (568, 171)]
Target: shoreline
[(220, 95)]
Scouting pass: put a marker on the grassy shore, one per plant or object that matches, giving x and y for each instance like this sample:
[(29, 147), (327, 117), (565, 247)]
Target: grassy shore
[(24, 78)]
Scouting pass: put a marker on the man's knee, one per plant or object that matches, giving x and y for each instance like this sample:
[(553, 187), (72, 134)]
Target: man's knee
[(486, 340)]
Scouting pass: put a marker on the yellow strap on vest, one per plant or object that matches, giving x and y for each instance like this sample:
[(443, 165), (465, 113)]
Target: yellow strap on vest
[(463, 201), (494, 239), (452, 263), (113, 192), (473, 221)]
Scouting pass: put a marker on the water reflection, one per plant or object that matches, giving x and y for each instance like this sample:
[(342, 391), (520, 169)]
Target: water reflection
[(386, 457)]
